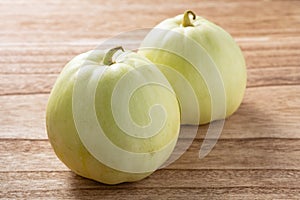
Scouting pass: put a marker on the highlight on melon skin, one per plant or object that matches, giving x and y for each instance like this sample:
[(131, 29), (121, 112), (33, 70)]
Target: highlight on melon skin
[(195, 53), (112, 116)]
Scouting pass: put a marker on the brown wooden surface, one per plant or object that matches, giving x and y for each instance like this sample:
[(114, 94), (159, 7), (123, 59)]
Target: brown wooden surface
[(258, 154)]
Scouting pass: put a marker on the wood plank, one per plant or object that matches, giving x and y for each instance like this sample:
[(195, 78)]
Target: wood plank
[(13, 182), (262, 153), (19, 84), (32, 155), (24, 84), (50, 57), (272, 58), (257, 117), (272, 76), (55, 22), (232, 193), (23, 116)]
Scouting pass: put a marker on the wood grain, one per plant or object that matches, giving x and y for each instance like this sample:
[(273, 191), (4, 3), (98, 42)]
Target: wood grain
[(43, 83), (45, 58), (214, 180), (275, 114), (258, 153), (262, 153), (162, 193)]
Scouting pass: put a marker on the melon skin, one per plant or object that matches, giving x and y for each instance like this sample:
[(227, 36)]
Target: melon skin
[(63, 132)]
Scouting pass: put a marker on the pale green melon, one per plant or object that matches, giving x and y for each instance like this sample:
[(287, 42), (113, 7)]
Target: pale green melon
[(112, 116), (203, 63)]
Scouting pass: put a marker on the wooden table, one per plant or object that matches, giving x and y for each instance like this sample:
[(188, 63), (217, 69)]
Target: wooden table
[(258, 154)]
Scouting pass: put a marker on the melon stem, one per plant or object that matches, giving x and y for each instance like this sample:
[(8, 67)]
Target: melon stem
[(108, 58), (186, 18)]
